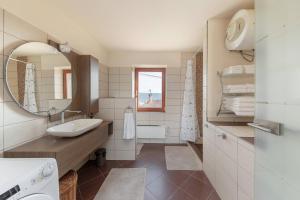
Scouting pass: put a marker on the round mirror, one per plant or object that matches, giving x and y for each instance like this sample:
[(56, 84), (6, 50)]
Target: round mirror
[(39, 78)]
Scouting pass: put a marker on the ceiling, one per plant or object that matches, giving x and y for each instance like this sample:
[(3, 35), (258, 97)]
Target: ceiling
[(148, 25)]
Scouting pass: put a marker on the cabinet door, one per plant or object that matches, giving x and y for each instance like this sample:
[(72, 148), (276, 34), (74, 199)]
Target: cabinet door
[(94, 85), (209, 153), (227, 143), (246, 157), (226, 176), (226, 165)]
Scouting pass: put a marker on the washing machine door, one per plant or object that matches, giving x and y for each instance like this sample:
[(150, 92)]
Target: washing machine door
[(37, 197)]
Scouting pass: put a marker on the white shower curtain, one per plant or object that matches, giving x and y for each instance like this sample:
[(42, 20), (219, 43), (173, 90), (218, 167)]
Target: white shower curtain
[(189, 122), (29, 102)]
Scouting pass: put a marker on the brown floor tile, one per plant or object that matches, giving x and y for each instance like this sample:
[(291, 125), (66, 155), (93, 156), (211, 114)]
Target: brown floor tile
[(78, 194), (177, 177), (200, 175), (109, 164), (87, 172), (162, 188), (89, 190), (197, 189), (214, 196), (148, 195), (180, 195), (161, 184)]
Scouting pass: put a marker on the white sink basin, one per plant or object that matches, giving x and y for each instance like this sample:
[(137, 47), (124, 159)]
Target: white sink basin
[(74, 128)]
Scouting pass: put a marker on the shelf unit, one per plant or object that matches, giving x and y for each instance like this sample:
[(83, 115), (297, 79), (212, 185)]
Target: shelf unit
[(222, 76)]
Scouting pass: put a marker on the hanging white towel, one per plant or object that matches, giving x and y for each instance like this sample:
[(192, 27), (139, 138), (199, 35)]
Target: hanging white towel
[(29, 90), (129, 126)]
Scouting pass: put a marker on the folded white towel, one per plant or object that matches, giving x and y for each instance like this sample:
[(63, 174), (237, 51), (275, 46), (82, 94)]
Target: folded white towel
[(129, 126), (249, 69)]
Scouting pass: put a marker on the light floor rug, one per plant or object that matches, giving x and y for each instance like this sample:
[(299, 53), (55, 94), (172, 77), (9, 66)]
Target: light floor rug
[(123, 184), (182, 158)]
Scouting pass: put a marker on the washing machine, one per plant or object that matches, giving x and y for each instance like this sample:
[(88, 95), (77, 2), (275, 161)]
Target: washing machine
[(28, 179)]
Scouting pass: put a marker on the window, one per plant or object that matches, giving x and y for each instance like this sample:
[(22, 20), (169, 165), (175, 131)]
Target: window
[(67, 84), (150, 89)]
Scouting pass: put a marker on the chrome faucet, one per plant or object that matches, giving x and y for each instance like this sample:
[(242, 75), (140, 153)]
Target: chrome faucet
[(62, 115)]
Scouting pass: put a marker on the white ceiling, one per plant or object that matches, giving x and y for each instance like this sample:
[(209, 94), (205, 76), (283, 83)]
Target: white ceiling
[(148, 25)]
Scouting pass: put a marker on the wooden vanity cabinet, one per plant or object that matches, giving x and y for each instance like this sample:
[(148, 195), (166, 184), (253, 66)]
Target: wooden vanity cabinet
[(88, 67), (69, 153), (228, 162)]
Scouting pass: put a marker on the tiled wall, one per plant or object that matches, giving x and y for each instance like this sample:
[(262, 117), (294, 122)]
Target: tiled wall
[(113, 109), (120, 82), (120, 86), (278, 99), (16, 125)]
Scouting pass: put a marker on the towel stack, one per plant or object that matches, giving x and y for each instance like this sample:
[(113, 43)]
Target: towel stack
[(241, 88), (239, 69), (241, 106)]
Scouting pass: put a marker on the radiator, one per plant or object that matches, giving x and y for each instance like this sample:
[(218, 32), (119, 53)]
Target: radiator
[(151, 131)]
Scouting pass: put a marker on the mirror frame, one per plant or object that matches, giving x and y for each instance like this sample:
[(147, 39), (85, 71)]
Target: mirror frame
[(13, 97)]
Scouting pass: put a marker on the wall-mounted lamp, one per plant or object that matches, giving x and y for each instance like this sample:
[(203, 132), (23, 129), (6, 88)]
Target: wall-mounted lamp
[(65, 48)]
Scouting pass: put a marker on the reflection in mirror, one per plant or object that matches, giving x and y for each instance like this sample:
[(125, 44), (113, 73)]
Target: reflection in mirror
[(39, 78)]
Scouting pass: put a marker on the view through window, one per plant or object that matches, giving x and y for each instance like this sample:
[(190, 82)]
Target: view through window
[(150, 89)]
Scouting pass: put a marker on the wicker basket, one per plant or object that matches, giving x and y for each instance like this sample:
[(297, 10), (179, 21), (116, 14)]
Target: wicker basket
[(68, 185)]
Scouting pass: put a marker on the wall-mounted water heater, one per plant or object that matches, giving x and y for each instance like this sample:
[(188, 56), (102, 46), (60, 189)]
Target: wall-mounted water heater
[(240, 34)]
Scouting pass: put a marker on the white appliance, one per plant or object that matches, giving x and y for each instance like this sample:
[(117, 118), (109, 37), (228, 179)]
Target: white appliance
[(28, 179), (240, 33)]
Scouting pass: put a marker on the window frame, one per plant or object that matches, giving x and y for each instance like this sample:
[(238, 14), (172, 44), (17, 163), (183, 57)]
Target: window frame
[(136, 79), (65, 87)]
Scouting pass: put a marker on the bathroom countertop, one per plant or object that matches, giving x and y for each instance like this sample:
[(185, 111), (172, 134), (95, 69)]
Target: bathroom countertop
[(222, 123), (239, 131), (69, 152), (250, 140)]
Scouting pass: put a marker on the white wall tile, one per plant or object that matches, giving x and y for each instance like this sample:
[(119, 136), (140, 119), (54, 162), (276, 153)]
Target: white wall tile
[(125, 93), (114, 93), (125, 78), (172, 117), (1, 139), (125, 70), (173, 79), (119, 114), (110, 154), (110, 143), (114, 70), (107, 113), (21, 29), (157, 116), (174, 86), (106, 103), (172, 140), (173, 109), (174, 94), (125, 155), (118, 124), (1, 90), (23, 132), (14, 114), (124, 103), (125, 145), (113, 78), (10, 43), (143, 116)]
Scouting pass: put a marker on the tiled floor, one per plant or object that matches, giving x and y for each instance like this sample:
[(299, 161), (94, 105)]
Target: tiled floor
[(161, 184)]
